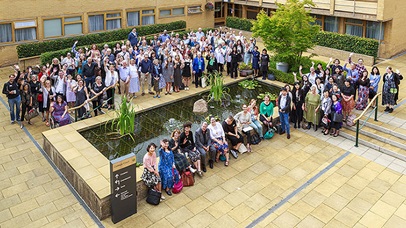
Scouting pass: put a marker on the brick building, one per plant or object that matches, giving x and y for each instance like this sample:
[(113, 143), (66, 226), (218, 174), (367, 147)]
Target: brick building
[(35, 21), (377, 19)]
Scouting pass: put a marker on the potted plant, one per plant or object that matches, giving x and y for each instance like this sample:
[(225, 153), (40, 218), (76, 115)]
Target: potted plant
[(246, 70)]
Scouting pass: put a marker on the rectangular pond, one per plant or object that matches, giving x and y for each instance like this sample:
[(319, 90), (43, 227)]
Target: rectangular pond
[(155, 124)]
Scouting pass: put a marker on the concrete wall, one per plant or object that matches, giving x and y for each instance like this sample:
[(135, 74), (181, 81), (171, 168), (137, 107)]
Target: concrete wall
[(43, 9)]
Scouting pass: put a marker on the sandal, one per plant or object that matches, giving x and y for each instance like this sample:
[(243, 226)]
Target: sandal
[(335, 135), (226, 163), (47, 124)]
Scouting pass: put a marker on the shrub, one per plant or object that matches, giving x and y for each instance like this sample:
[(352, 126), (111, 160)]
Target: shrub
[(282, 76), (239, 23), (349, 43), (35, 49), (48, 56)]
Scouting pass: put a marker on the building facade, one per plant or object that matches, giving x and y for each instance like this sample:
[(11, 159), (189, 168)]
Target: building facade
[(377, 19), (40, 20)]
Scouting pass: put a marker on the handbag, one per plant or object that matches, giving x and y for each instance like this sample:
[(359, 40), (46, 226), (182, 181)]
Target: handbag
[(269, 134), (337, 117), (153, 197), (187, 179), (31, 114), (178, 186), (242, 149)]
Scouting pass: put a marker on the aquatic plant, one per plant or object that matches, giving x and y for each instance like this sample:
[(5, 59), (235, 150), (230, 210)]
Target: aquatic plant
[(124, 124), (249, 84)]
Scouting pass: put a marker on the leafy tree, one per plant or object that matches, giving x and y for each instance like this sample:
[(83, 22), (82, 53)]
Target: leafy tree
[(289, 31)]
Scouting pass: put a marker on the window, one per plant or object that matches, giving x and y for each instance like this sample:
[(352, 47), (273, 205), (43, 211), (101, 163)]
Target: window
[(318, 20), (219, 9), (252, 12), (374, 30), (6, 33), (73, 25), (194, 9), (148, 17), (105, 21), (25, 30), (53, 27), (330, 24), (172, 12), (133, 18), (354, 27), (62, 26)]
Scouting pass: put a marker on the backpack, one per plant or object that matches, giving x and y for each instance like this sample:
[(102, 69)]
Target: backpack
[(255, 139), (269, 134)]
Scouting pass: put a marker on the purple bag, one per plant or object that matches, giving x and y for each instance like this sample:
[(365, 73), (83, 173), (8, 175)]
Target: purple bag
[(178, 186)]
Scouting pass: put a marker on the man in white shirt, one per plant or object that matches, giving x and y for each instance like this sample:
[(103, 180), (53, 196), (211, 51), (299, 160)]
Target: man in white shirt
[(199, 34)]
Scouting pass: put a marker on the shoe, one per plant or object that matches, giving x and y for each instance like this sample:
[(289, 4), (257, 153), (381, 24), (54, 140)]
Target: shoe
[(12, 122), (192, 170), (29, 122), (309, 126), (204, 169), (162, 197), (155, 96), (200, 173), (142, 94), (283, 132), (211, 164), (288, 136), (390, 110), (166, 93), (168, 192), (226, 163), (315, 127), (159, 96), (152, 93), (386, 109), (102, 112), (294, 126)]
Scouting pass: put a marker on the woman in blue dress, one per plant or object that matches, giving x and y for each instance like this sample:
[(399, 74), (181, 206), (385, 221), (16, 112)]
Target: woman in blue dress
[(255, 61), (167, 170)]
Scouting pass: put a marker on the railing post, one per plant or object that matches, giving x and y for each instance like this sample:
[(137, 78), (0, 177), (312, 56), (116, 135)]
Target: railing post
[(357, 134), (376, 109), (76, 115), (112, 96)]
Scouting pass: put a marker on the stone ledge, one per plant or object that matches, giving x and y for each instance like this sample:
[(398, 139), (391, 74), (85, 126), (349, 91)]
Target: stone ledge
[(341, 55)]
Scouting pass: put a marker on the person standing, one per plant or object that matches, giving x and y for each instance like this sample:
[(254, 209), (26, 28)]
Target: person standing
[(234, 62), (390, 81), (198, 68), (255, 61), (284, 110), (264, 64), (11, 90), (88, 72), (146, 70), (133, 37)]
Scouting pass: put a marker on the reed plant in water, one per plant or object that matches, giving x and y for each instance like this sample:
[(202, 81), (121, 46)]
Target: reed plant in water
[(217, 90), (124, 124)]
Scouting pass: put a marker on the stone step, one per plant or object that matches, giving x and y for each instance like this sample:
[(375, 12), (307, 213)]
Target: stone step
[(374, 141)]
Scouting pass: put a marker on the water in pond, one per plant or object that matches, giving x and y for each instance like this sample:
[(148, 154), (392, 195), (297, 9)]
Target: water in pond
[(158, 123)]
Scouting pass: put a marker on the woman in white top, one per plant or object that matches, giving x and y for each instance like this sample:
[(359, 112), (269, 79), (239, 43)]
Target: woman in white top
[(134, 79), (218, 139), (111, 79)]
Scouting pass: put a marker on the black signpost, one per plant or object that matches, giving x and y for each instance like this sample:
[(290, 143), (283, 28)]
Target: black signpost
[(123, 187)]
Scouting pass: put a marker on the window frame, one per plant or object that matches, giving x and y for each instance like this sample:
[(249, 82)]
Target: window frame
[(13, 30), (171, 12), (194, 9), (105, 19), (139, 17), (363, 25), (63, 23)]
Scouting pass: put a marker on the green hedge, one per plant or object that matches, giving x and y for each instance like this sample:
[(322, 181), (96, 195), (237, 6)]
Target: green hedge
[(48, 56), (282, 76), (338, 41), (35, 49), (348, 43), (239, 23)]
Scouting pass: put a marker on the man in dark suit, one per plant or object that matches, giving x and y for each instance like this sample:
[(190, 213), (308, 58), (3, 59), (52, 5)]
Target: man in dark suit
[(204, 145)]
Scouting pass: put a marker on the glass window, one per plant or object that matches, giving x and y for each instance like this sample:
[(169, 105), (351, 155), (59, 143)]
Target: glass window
[(25, 34), (110, 15), (113, 24), (374, 30), (165, 13), (178, 11), (133, 18), (147, 11), (148, 20), (354, 27), (96, 23), (53, 27), (330, 24), (5, 33), (73, 19), (72, 29), (22, 24)]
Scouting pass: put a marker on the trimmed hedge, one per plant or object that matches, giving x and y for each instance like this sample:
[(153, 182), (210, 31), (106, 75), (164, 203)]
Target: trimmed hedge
[(338, 41), (283, 77), (48, 56), (239, 23), (349, 43), (35, 49)]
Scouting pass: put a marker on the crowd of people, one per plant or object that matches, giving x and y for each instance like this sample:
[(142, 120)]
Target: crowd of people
[(167, 62)]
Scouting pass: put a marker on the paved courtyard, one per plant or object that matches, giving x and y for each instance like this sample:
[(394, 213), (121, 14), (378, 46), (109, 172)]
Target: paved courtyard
[(311, 180)]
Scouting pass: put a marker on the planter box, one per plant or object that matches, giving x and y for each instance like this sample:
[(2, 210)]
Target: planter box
[(284, 67)]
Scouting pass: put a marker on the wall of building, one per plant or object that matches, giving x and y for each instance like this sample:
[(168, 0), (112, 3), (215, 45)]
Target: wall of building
[(40, 10)]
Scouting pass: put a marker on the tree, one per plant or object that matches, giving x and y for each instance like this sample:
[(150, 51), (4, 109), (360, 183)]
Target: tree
[(289, 32)]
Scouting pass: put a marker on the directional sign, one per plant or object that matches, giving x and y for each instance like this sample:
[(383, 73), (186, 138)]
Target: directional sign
[(123, 187)]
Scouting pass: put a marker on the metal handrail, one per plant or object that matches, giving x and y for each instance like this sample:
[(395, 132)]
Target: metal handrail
[(356, 120)]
